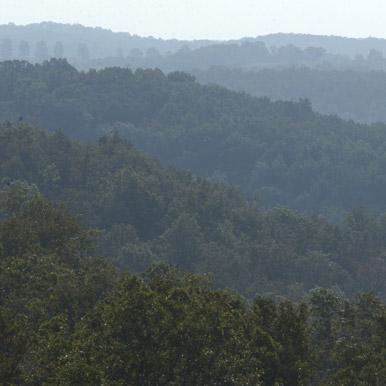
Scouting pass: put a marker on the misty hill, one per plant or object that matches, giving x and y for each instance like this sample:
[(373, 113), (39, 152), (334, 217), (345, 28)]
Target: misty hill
[(233, 55), (243, 54), (350, 94), (282, 153), (333, 44), (88, 47), (41, 41), (147, 213)]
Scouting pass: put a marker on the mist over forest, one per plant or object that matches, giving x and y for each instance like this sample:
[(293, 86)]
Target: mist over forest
[(342, 76), (196, 213)]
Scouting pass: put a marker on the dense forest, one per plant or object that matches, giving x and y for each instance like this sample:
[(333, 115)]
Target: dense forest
[(279, 153), (338, 75), (156, 230), (68, 317), (145, 213)]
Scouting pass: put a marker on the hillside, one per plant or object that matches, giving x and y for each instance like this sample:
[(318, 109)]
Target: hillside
[(147, 214), (350, 94), (245, 55), (334, 44), (81, 43), (248, 54), (44, 40), (68, 319), (192, 212), (281, 153)]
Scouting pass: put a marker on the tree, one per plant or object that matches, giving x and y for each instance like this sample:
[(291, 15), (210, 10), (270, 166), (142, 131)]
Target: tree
[(152, 53), (6, 49), (184, 241), (41, 51), (58, 50), (136, 53), (375, 57), (83, 52), (315, 53), (24, 49)]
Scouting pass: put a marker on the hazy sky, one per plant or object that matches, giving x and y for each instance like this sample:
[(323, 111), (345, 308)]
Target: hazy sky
[(216, 19)]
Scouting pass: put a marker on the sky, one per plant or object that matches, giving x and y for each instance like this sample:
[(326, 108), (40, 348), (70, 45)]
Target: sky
[(207, 19)]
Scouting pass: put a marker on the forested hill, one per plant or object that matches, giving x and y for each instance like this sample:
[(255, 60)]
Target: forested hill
[(70, 319), (40, 41), (117, 269), (333, 44), (83, 45), (282, 153), (350, 94), (146, 213)]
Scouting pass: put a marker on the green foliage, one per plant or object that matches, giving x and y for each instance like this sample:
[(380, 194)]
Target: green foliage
[(70, 318), (80, 322), (39, 227), (281, 153), (146, 213), (46, 286), (351, 348), (176, 335), (354, 94)]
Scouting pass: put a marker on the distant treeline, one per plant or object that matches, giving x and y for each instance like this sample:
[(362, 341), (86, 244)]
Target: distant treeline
[(66, 39), (39, 51), (246, 55), (88, 47)]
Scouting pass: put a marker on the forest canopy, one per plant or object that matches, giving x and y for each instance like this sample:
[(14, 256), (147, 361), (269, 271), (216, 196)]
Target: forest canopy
[(69, 318), (280, 153), (350, 94), (146, 213), (155, 231)]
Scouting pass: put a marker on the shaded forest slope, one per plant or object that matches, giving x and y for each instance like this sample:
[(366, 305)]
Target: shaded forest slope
[(146, 213), (283, 153)]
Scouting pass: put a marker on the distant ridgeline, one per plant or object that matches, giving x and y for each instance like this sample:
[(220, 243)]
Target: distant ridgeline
[(342, 76), (88, 47), (41, 41), (245, 54), (281, 153)]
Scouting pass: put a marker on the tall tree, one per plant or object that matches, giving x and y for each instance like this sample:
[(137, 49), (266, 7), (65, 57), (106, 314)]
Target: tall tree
[(24, 50), (83, 52), (41, 51), (58, 50), (6, 49)]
